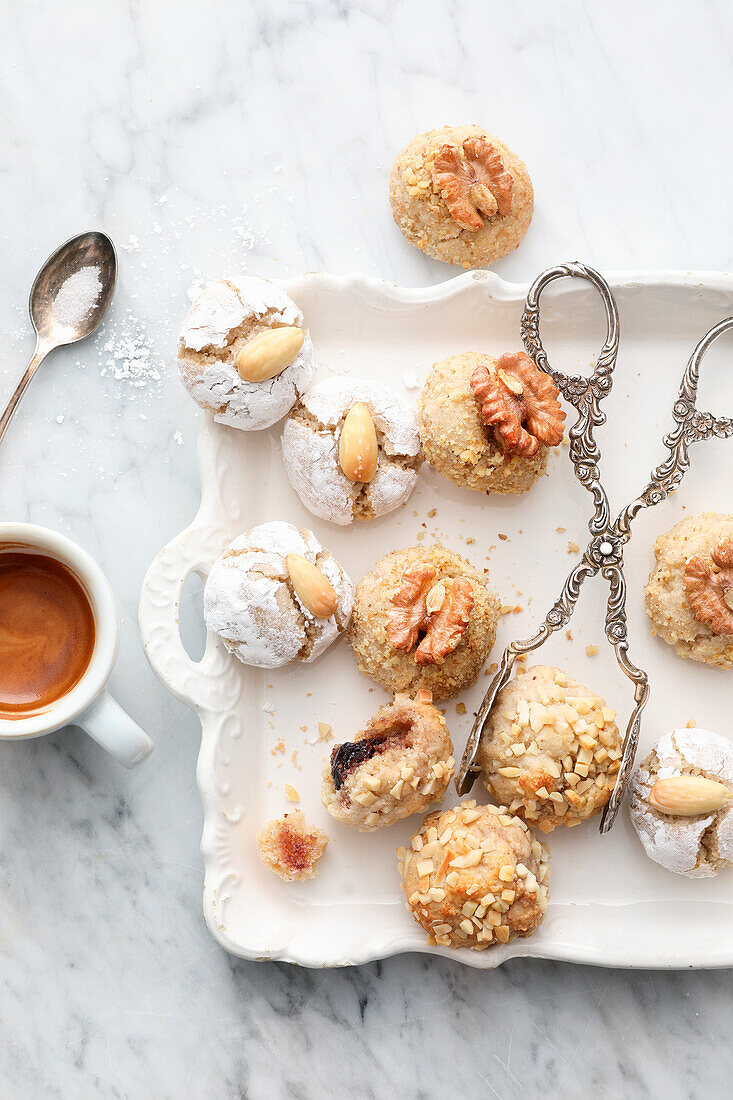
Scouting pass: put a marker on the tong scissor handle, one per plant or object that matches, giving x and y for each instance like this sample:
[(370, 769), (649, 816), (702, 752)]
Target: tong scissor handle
[(573, 386), (584, 393), (691, 426)]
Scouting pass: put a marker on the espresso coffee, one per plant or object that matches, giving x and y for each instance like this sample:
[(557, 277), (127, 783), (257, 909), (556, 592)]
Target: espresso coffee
[(46, 632)]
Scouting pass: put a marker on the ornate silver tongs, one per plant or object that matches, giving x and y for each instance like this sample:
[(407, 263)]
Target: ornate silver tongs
[(604, 552)]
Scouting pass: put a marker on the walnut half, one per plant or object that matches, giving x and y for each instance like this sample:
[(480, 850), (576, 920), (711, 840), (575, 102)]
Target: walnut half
[(520, 404), (709, 588), (473, 182), (440, 611)]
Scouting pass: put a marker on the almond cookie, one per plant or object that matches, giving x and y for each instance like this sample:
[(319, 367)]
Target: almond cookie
[(475, 877), (461, 195), (291, 848), (275, 596), (244, 353), (487, 424), (681, 803), (351, 450), (689, 597), (424, 618), (400, 763), (550, 750)]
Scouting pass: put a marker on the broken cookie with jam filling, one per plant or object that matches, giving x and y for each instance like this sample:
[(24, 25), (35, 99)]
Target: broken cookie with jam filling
[(398, 765)]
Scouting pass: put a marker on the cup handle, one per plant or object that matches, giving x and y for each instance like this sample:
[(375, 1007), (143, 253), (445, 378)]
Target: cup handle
[(112, 728)]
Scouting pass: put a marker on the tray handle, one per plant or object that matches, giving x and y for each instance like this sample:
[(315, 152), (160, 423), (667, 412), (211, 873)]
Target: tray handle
[(200, 684)]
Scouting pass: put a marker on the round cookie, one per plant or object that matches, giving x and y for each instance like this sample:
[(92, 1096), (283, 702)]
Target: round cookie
[(461, 195), (253, 597), (458, 439), (550, 750), (424, 618), (222, 319), (689, 597), (474, 877), (400, 763), (698, 845), (313, 450)]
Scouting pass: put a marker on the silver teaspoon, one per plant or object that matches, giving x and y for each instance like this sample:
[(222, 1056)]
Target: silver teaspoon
[(69, 297)]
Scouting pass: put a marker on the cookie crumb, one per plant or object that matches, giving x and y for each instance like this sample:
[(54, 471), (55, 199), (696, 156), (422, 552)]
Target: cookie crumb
[(291, 793), (591, 650), (291, 848)]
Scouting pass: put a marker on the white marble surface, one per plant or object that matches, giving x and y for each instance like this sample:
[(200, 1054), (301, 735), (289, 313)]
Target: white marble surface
[(226, 136)]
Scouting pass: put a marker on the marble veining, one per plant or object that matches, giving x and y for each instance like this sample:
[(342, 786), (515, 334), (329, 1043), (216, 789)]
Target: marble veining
[(216, 138)]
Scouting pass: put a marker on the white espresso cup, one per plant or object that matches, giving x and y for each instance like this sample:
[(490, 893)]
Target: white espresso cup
[(87, 703)]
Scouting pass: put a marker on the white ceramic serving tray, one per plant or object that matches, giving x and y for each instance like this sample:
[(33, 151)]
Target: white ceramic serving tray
[(609, 904)]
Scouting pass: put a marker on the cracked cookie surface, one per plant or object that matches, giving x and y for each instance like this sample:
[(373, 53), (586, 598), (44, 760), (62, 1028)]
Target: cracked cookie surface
[(223, 318), (310, 445), (251, 603), (698, 846)]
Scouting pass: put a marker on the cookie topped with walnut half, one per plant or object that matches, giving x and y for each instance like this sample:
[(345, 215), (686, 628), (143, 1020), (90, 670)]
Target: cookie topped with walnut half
[(487, 424), (689, 596), (424, 618), (461, 195)]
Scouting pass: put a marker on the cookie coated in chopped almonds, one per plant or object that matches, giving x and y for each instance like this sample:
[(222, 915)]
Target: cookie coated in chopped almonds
[(400, 763), (475, 876), (550, 749)]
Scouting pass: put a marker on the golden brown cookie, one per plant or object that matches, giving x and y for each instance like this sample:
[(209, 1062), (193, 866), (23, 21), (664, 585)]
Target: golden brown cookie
[(395, 767), (472, 431), (474, 877), (550, 750), (461, 195), (423, 618), (689, 597)]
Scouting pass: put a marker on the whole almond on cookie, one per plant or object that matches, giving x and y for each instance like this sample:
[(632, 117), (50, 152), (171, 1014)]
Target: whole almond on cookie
[(269, 353), (358, 448), (688, 795), (311, 587)]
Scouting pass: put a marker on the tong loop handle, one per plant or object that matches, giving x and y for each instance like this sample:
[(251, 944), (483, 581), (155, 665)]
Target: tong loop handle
[(572, 387), (699, 425)]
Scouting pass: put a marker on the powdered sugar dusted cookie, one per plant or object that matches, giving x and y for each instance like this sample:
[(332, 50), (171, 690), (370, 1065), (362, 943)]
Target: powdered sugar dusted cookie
[(680, 802), (275, 596), (351, 450), (244, 353)]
